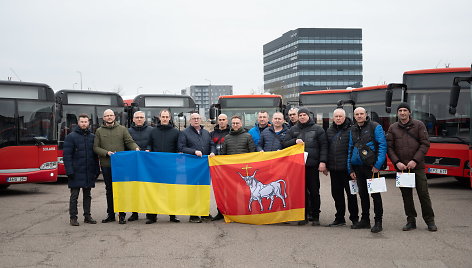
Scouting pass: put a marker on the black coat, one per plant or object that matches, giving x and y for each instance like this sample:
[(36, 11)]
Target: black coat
[(218, 137), (80, 159), (271, 141), (141, 135), (238, 142), (190, 141), (314, 137), (338, 142), (164, 138)]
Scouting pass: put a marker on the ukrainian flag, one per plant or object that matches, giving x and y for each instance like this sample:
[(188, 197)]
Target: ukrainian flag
[(161, 183)]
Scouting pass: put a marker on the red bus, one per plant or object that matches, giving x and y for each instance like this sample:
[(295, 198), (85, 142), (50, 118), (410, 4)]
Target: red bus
[(322, 103), (28, 148), (247, 106), (71, 103), (180, 107), (427, 92), (458, 86)]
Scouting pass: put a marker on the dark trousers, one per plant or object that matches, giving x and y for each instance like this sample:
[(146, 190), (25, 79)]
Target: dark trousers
[(339, 185), (106, 172), (363, 173), (423, 196), (312, 191), (74, 196)]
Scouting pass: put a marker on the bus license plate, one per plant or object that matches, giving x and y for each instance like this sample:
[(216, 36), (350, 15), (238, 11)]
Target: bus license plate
[(16, 179), (437, 171)]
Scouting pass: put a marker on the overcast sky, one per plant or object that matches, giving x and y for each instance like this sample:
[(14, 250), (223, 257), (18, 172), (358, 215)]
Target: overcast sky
[(164, 46)]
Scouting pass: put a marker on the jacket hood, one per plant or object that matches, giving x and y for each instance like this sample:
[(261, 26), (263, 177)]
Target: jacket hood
[(347, 123), (237, 132)]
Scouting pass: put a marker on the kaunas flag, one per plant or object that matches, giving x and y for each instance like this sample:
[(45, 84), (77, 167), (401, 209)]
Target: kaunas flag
[(160, 183), (261, 187)]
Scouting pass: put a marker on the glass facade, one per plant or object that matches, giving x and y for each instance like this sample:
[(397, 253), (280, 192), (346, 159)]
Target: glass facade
[(308, 59)]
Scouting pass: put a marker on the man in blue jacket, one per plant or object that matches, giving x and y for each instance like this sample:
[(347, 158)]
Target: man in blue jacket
[(366, 155), (82, 168), (196, 140), (272, 137), (141, 134), (262, 123)]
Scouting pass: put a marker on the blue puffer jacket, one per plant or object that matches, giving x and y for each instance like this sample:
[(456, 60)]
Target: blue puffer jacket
[(80, 159), (141, 135), (271, 141), (256, 132), (366, 130)]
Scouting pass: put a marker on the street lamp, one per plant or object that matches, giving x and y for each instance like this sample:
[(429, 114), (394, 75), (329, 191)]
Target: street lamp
[(80, 79), (137, 90)]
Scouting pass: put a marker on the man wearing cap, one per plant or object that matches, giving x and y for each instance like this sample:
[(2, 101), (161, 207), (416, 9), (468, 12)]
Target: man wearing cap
[(408, 143), (316, 145)]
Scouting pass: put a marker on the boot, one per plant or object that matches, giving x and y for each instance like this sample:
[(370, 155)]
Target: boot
[(90, 220), (377, 227), (409, 226), (173, 218), (122, 219), (133, 217), (110, 218), (218, 217), (432, 227), (74, 222), (316, 220)]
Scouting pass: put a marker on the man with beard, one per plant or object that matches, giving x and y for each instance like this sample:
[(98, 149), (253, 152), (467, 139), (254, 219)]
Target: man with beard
[(316, 145), (110, 138)]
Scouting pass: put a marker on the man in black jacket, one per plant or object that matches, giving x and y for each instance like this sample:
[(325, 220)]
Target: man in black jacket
[(316, 145), (82, 168), (338, 141), (196, 140), (164, 138), (221, 130), (141, 134)]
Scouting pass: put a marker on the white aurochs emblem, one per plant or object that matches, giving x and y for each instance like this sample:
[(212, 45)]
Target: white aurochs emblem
[(260, 190)]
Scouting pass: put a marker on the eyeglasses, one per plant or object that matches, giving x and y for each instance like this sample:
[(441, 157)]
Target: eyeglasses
[(221, 119), (139, 117), (197, 118), (236, 123)]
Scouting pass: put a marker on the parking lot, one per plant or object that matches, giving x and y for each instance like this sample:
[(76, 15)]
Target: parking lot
[(35, 232)]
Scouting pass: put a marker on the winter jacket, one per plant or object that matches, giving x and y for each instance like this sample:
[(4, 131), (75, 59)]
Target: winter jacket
[(80, 160), (314, 137), (238, 142), (408, 142), (164, 138), (364, 132), (115, 138), (338, 145), (190, 141), (256, 132), (141, 135), (271, 141), (218, 137)]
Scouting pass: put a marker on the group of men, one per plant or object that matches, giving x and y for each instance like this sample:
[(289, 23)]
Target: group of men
[(347, 151)]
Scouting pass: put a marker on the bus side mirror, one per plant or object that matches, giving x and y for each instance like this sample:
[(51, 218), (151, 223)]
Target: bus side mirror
[(388, 100), (454, 98), (214, 113)]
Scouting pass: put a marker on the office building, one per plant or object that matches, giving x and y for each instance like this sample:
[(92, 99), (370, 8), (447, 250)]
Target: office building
[(206, 95), (308, 59)]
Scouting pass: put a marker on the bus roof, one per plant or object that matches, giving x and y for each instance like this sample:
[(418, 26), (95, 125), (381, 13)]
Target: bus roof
[(439, 70), (369, 88), (329, 91), (87, 92), (18, 83), (249, 96)]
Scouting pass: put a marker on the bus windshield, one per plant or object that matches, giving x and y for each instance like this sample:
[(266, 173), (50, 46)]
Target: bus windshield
[(249, 115), (35, 121)]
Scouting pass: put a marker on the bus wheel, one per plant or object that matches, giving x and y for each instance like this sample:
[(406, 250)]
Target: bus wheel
[(4, 186), (464, 180)]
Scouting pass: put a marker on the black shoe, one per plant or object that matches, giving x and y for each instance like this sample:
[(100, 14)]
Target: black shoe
[(173, 218), (218, 217), (195, 219), (90, 220), (361, 225), (377, 227), (207, 218), (311, 218), (432, 227), (74, 222), (304, 222), (151, 221), (110, 218), (122, 220), (133, 217), (336, 223), (409, 226)]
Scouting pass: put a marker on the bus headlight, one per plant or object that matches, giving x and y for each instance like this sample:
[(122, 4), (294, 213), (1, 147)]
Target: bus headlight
[(48, 165), (60, 160)]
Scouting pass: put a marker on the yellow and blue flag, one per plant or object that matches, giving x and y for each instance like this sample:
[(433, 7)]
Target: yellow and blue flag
[(161, 183)]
